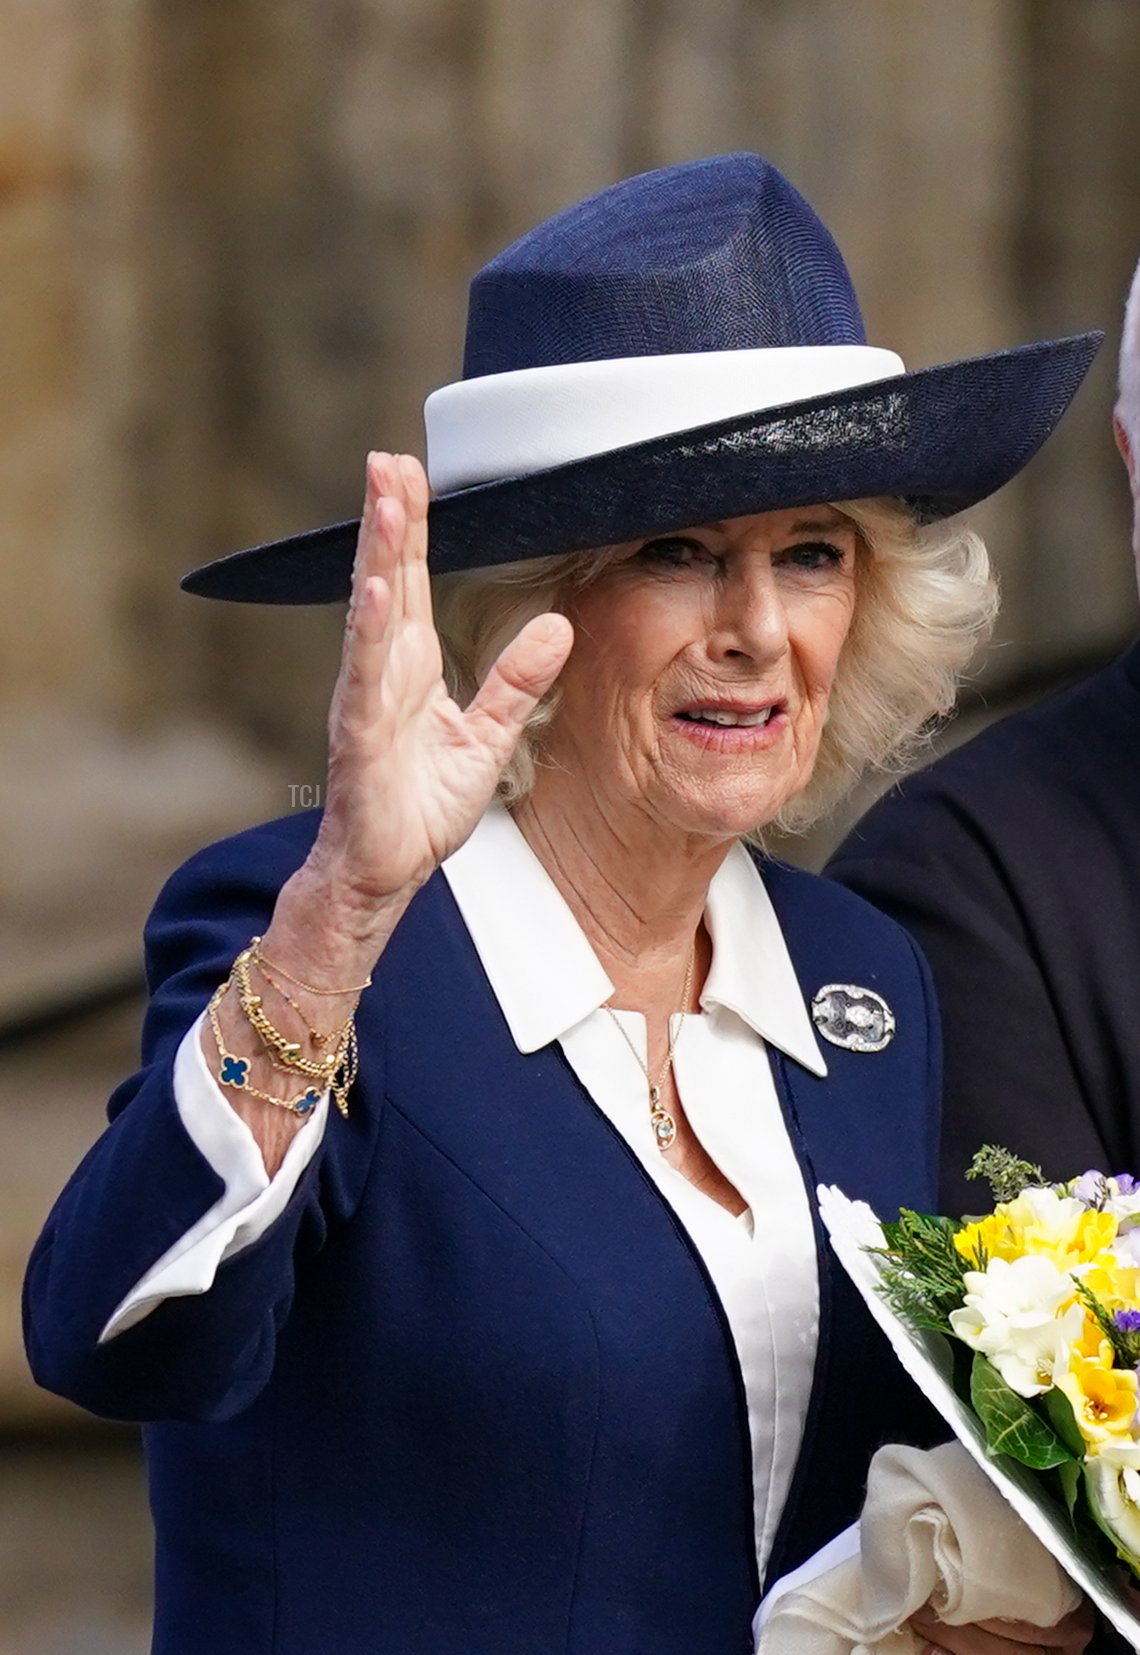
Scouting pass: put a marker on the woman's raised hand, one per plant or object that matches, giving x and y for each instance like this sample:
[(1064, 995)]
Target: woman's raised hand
[(410, 772)]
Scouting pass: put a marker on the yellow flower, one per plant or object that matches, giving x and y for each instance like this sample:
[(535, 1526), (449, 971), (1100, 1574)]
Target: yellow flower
[(1116, 1285), (988, 1238), (1092, 1344), (1103, 1398), (1039, 1221)]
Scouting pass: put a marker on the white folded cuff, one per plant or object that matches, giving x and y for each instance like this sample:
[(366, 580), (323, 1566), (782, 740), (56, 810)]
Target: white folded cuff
[(506, 425), (250, 1203)]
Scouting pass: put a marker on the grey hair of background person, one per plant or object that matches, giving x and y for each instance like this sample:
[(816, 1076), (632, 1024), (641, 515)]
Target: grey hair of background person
[(925, 600), (1126, 415), (1128, 376)]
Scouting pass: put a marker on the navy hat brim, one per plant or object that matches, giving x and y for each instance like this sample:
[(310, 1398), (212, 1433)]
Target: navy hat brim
[(941, 438)]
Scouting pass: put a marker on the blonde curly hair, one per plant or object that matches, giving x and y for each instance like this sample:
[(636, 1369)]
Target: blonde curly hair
[(925, 598)]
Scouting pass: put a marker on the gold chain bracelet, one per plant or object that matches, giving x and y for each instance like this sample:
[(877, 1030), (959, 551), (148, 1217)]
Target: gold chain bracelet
[(259, 957), (234, 1071), (287, 1052), (319, 1039), (334, 1072)]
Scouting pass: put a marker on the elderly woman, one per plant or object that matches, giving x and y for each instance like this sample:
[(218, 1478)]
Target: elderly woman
[(457, 1239)]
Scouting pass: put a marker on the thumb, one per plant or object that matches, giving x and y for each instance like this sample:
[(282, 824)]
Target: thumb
[(520, 677)]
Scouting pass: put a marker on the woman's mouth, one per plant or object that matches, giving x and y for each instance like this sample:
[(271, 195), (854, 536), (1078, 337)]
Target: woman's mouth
[(731, 727), (726, 718)]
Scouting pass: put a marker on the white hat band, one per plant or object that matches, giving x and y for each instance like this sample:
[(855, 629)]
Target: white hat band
[(507, 425)]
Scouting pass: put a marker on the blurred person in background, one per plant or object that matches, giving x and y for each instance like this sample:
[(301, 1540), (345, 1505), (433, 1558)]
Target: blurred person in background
[(1013, 861), (456, 1240)]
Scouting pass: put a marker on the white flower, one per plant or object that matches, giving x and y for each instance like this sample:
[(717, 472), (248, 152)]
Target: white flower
[(1051, 1209), (1123, 1452), (1126, 1248), (1024, 1317), (1112, 1482)]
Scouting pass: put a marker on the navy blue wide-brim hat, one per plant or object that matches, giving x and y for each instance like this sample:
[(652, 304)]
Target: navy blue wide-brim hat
[(683, 347)]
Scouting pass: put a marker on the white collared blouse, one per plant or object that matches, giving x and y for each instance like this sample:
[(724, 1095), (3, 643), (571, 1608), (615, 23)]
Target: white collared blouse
[(550, 986)]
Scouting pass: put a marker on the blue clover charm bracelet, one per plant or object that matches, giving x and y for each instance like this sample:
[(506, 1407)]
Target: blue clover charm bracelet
[(234, 1071)]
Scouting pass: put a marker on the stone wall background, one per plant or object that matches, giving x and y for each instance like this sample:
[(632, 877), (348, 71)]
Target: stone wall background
[(234, 243)]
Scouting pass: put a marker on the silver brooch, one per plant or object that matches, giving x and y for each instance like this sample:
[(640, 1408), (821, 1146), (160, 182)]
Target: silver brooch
[(857, 1019)]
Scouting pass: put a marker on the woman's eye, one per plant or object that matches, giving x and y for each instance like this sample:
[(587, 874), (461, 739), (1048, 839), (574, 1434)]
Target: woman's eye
[(813, 554), (675, 552)]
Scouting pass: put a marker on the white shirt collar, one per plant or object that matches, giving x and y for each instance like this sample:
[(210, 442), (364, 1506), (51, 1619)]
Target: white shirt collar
[(752, 972), (547, 978)]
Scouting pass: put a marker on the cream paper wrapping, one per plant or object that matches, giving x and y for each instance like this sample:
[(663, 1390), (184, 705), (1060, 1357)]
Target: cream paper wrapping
[(934, 1531), (853, 1227)]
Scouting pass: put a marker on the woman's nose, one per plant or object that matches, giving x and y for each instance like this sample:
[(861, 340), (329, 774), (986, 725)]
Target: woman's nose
[(750, 620)]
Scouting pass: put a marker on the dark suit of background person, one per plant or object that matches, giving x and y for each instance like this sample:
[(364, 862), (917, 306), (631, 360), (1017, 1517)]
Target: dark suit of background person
[(1015, 863)]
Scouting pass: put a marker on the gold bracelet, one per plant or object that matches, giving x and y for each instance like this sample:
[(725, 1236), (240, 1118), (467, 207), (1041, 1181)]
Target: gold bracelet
[(259, 958), (343, 1077), (319, 1040), (343, 1083), (336, 1072), (233, 1071), (287, 1052)]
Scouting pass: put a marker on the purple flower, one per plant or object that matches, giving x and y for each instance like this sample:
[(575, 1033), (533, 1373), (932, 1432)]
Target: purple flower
[(1127, 1321), (1090, 1188), (1125, 1183)]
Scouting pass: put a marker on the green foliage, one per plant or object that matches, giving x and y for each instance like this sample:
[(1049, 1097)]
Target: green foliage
[(922, 1269), (1059, 1411), (1069, 1477), (1011, 1425), (1005, 1173)]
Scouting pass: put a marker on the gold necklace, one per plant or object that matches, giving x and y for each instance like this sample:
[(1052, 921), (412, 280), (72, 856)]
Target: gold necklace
[(663, 1124)]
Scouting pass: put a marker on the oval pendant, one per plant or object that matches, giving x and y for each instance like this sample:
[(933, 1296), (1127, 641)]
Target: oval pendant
[(664, 1128)]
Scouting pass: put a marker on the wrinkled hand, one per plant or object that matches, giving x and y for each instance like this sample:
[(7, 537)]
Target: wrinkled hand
[(998, 1637), (410, 772)]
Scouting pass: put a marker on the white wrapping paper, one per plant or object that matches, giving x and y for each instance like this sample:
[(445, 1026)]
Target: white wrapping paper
[(853, 1227)]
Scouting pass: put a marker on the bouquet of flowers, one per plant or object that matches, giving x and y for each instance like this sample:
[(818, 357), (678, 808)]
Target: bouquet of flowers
[(1023, 1327)]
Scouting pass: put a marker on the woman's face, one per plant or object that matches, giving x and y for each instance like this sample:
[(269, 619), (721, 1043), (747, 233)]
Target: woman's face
[(697, 687)]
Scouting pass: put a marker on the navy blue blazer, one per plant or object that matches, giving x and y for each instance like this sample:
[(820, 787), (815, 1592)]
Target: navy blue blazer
[(474, 1389)]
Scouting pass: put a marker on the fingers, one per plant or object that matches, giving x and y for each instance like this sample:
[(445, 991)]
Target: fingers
[(1003, 1637), (391, 610), (519, 679), (375, 548), (389, 577), (972, 1640), (370, 640), (1076, 1630), (412, 571), (959, 1640), (1068, 1637), (393, 538)]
